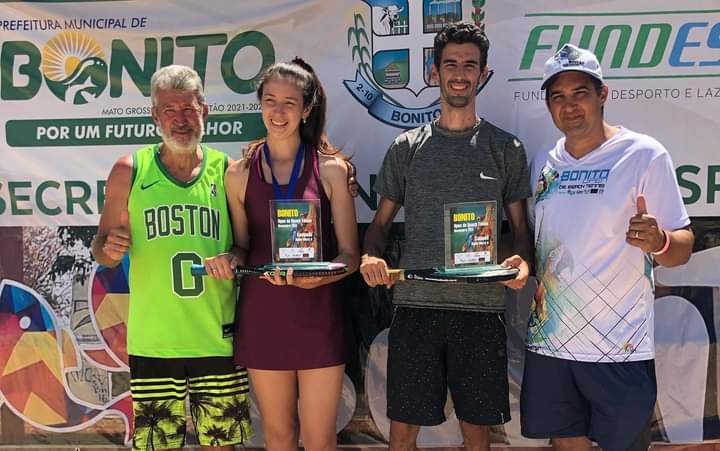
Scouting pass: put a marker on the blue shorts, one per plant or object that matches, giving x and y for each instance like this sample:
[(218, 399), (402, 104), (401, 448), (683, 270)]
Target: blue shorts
[(611, 403)]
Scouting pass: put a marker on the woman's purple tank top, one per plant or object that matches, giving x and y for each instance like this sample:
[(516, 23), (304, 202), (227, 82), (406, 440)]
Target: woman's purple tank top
[(285, 327)]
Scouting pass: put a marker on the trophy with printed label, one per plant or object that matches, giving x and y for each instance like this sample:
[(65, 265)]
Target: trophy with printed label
[(470, 248), (470, 234), (296, 243), (295, 231)]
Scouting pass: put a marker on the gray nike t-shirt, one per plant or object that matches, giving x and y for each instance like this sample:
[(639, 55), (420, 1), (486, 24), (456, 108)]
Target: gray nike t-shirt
[(428, 167)]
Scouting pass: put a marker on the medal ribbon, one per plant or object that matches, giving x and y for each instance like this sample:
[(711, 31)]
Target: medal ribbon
[(294, 175)]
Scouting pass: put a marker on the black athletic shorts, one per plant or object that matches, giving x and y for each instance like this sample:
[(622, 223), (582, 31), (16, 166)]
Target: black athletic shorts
[(431, 350), (611, 403)]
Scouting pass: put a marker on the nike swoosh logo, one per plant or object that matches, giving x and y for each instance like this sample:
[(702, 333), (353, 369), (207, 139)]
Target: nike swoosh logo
[(486, 177), (144, 187)]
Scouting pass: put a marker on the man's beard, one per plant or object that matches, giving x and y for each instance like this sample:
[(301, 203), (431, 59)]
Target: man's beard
[(179, 148), (458, 101)]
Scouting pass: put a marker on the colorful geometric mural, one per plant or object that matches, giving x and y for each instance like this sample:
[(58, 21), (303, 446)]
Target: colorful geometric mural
[(36, 355)]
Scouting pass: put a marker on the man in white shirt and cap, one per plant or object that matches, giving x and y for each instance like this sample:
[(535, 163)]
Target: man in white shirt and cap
[(607, 208)]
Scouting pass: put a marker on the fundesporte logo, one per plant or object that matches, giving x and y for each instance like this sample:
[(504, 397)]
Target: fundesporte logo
[(74, 67), (394, 56)]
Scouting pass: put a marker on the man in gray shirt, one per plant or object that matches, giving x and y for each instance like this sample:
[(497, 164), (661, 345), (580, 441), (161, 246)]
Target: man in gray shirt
[(448, 335)]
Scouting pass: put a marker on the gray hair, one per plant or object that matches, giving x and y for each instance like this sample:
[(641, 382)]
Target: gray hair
[(176, 77)]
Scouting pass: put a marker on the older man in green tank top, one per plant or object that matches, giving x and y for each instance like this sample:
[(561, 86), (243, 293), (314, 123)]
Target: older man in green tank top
[(165, 207)]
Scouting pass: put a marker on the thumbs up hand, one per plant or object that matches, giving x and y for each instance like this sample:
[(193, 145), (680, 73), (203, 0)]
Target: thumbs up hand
[(118, 241), (643, 230), (641, 205)]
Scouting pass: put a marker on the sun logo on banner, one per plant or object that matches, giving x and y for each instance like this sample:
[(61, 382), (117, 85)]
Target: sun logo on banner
[(74, 67), (394, 57)]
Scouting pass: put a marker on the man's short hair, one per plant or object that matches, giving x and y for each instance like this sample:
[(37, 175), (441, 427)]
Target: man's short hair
[(461, 33), (597, 84), (176, 77)]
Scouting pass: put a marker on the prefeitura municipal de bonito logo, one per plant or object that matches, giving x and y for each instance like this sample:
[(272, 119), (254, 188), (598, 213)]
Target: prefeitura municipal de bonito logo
[(391, 44), (74, 67)]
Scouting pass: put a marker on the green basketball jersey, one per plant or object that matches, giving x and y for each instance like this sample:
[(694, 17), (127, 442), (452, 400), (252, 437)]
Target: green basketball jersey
[(174, 224)]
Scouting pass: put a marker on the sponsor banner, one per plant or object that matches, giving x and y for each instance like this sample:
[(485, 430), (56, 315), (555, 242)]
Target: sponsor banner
[(75, 81), (75, 96)]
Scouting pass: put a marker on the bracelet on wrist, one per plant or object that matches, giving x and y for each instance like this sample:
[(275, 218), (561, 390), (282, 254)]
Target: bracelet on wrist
[(665, 246)]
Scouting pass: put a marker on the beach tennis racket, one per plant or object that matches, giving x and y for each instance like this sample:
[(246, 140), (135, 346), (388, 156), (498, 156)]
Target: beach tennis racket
[(494, 273), (303, 269)]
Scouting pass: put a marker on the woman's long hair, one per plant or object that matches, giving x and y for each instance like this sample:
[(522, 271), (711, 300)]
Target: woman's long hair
[(312, 130)]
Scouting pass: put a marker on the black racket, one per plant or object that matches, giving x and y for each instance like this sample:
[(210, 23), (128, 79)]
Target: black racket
[(494, 273), (304, 269)]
